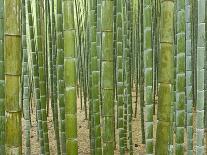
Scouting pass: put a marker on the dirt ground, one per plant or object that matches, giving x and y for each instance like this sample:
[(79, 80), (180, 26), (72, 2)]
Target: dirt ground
[(83, 134)]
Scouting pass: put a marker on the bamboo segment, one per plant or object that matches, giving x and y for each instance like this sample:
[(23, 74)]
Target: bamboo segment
[(70, 78), (165, 75), (180, 77), (107, 77), (12, 57), (148, 75), (189, 91), (2, 81), (201, 54)]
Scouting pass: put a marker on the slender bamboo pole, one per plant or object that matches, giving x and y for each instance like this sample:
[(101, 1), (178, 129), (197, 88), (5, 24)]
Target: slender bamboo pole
[(2, 81), (180, 76), (141, 71), (91, 37), (60, 74), (189, 66), (148, 75), (25, 81), (201, 54), (120, 82), (129, 77), (54, 68)]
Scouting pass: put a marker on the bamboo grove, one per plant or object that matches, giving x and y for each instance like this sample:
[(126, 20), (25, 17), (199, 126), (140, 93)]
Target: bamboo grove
[(119, 60)]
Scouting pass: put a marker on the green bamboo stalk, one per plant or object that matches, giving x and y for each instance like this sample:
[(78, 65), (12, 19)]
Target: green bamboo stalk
[(90, 27), (136, 53), (130, 77), (120, 82), (79, 15), (107, 73), (45, 12), (165, 76), (49, 52), (173, 103), (60, 74), (25, 81), (125, 71), (137, 57), (98, 41), (155, 47), (2, 81), (85, 61), (81, 55), (148, 75), (194, 48), (42, 84), (189, 66), (180, 77), (201, 53), (95, 74), (12, 57), (70, 78), (114, 65), (205, 90), (54, 62), (35, 71), (141, 74)]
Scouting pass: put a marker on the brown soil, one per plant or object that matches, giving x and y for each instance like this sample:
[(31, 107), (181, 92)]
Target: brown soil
[(83, 134)]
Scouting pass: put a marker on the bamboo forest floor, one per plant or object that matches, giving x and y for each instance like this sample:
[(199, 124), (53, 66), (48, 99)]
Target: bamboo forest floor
[(83, 134)]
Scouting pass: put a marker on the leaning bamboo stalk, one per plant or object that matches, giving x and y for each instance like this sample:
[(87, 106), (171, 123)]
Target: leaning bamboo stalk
[(12, 42)]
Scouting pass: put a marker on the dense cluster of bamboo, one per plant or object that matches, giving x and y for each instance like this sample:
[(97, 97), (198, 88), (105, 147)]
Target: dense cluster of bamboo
[(112, 56)]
